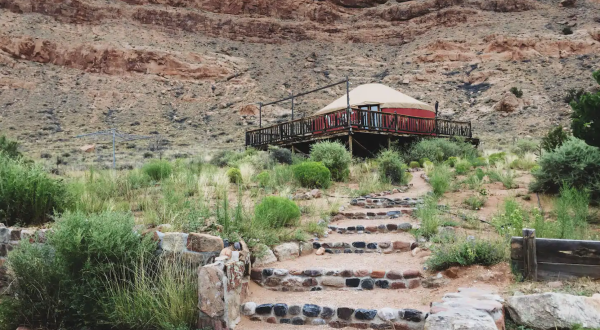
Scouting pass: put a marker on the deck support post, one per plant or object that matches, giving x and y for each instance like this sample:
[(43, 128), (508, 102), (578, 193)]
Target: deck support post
[(389, 142), (293, 149), (530, 254), (350, 144)]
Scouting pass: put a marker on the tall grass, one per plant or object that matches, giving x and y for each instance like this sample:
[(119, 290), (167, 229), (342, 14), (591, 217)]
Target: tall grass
[(161, 295), (465, 252), (499, 173), (28, 195), (440, 179), (429, 215)]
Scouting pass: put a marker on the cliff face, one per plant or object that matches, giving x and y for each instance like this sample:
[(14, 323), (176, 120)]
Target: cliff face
[(188, 69)]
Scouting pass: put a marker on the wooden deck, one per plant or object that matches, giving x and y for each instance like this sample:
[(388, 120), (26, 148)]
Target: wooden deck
[(364, 121)]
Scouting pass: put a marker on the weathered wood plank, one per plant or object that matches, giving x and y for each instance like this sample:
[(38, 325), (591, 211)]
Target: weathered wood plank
[(553, 272), (516, 248), (568, 251), (529, 250)]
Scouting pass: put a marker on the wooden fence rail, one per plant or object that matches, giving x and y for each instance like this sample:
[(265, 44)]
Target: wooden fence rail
[(554, 259)]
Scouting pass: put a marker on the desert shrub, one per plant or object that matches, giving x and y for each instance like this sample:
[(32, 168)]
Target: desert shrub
[(474, 182), (312, 175), (440, 179), (554, 138), (28, 195), (524, 146), (586, 116), (334, 156), (391, 167), (221, 158), (575, 164), (283, 175), (61, 284), (479, 161), (466, 252), (527, 162), (264, 178), (496, 158), (462, 166), (158, 169), (281, 155), (480, 174), (9, 148), (452, 161), (414, 164), (475, 202), (276, 212), (440, 149), (234, 175), (505, 176), (422, 161), (567, 30), (517, 92), (429, 215), (160, 296)]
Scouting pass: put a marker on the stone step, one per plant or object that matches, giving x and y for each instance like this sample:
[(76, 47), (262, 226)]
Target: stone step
[(367, 214), (317, 279), (365, 228), (335, 317), (360, 244), (383, 202)]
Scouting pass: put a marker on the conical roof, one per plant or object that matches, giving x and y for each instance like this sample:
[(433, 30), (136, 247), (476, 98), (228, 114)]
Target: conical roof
[(371, 94)]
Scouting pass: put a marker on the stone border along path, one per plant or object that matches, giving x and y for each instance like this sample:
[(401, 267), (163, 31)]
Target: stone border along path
[(341, 317), (320, 279), (383, 228), (354, 281)]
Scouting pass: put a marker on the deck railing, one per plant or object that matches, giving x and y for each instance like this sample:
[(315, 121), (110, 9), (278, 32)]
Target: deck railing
[(363, 120)]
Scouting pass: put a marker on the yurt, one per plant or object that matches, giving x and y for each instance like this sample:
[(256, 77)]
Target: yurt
[(374, 102)]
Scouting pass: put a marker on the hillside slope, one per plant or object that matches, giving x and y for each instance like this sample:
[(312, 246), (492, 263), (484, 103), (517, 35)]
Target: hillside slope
[(188, 69)]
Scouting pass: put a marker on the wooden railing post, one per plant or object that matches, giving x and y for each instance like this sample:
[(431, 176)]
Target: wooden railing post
[(529, 254)]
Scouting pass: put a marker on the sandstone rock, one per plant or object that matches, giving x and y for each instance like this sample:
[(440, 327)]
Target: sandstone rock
[(434, 282), (287, 251), (320, 251), (265, 257), (315, 193), (554, 310), (359, 3), (509, 103), (451, 272), (211, 291), (175, 242), (204, 243), (225, 253), (334, 281), (248, 308), (387, 314), (463, 319), (249, 110), (567, 3), (306, 248)]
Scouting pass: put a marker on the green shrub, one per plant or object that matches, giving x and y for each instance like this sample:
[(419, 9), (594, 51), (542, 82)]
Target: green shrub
[(517, 92), (9, 148), (523, 164), (474, 182), (452, 161), (586, 116), (440, 149), (440, 179), (429, 215), (575, 164), (158, 169), (264, 178), (497, 158), (334, 156), (479, 161), (480, 174), (506, 177), (567, 30), (573, 95), (462, 166), (28, 195), (554, 138), (281, 155), (414, 164), (475, 202), (234, 175), (391, 167), (524, 146), (465, 253), (61, 284), (312, 175), (276, 212), (422, 161)]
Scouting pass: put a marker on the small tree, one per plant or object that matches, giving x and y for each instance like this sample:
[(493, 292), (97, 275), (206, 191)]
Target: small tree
[(9, 148), (554, 139), (586, 116)]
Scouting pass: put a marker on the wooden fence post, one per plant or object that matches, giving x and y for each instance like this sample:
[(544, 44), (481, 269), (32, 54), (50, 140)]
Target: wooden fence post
[(530, 254)]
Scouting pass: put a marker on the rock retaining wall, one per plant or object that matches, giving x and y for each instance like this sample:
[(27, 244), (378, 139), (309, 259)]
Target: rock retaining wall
[(377, 203), (361, 229), (365, 247), (377, 215), (326, 279), (341, 317)]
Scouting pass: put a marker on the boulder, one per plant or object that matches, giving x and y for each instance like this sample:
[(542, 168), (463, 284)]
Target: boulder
[(287, 251), (249, 110), (174, 242), (460, 319), (211, 290), (306, 248), (204, 243), (435, 281), (320, 251), (264, 257), (567, 3), (547, 311), (315, 193), (508, 103), (4, 235)]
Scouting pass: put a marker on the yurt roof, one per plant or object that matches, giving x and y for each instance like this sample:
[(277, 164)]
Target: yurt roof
[(372, 94)]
